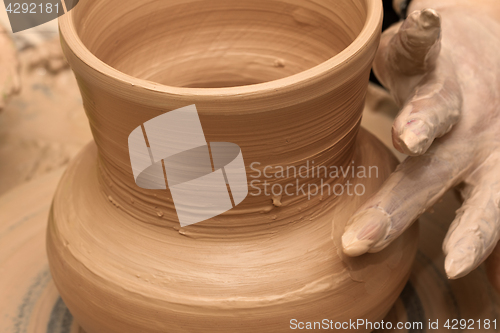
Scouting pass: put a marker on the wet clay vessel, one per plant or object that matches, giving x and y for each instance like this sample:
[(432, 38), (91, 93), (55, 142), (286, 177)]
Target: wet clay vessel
[(283, 80)]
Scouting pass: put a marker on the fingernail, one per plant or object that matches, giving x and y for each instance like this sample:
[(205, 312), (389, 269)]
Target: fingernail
[(427, 18), (415, 138), (463, 257), (364, 231), (458, 265), (430, 19), (422, 29)]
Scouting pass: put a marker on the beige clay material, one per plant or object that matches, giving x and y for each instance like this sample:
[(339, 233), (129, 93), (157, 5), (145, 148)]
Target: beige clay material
[(29, 301), (286, 82), (141, 262)]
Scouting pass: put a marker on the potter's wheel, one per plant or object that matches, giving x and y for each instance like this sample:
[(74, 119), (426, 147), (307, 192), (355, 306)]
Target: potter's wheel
[(29, 301)]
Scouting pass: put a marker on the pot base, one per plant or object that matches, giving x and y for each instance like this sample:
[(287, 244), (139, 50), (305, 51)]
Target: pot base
[(118, 274)]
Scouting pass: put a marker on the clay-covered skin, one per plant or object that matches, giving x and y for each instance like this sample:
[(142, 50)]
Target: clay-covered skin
[(10, 83), (442, 66), (267, 76)]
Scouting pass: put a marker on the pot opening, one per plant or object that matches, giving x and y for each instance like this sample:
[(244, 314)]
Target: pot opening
[(217, 43)]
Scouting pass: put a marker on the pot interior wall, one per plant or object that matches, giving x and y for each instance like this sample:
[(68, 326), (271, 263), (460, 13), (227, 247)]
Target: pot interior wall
[(217, 43)]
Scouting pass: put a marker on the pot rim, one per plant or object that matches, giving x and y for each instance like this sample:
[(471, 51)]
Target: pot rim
[(336, 63)]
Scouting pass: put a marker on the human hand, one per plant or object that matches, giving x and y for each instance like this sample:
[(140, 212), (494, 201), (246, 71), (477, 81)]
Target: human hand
[(9, 68), (444, 72)]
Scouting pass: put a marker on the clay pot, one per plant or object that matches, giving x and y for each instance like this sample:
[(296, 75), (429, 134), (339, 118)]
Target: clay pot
[(283, 80)]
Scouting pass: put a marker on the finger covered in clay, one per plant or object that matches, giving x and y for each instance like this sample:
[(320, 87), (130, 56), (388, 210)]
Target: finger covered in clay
[(474, 233)]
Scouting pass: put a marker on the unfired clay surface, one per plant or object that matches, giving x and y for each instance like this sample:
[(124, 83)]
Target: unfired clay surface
[(286, 82)]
